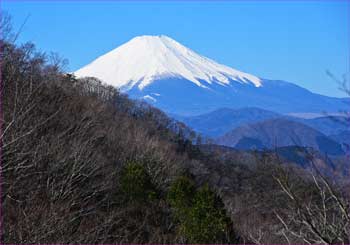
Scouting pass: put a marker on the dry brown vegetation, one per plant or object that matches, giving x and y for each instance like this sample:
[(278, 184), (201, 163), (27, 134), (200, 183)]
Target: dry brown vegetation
[(82, 163)]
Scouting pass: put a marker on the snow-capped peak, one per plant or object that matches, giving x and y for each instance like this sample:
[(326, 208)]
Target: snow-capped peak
[(146, 58)]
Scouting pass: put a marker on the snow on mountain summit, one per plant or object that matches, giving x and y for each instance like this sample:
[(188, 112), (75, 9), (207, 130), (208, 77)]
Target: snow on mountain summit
[(177, 80), (146, 58)]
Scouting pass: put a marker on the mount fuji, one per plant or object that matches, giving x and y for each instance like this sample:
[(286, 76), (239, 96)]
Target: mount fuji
[(179, 81)]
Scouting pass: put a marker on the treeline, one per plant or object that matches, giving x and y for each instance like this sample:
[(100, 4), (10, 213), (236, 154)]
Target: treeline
[(82, 163)]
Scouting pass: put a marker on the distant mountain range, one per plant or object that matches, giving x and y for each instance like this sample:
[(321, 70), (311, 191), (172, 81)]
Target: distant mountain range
[(244, 128), (177, 80), (221, 121), (236, 108), (279, 132)]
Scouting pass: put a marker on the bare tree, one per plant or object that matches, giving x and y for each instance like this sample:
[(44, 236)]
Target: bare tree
[(320, 216)]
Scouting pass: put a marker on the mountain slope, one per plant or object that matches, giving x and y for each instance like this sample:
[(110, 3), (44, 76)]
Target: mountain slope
[(221, 121), (147, 58), (83, 164), (343, 138), (329, 125), (278, 133), (177, 80)]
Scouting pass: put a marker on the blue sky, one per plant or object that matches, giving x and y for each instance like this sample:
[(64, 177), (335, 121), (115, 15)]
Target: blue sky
[(296, 41)]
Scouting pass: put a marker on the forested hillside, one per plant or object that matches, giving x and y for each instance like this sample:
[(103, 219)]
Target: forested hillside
[(82, 163)]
